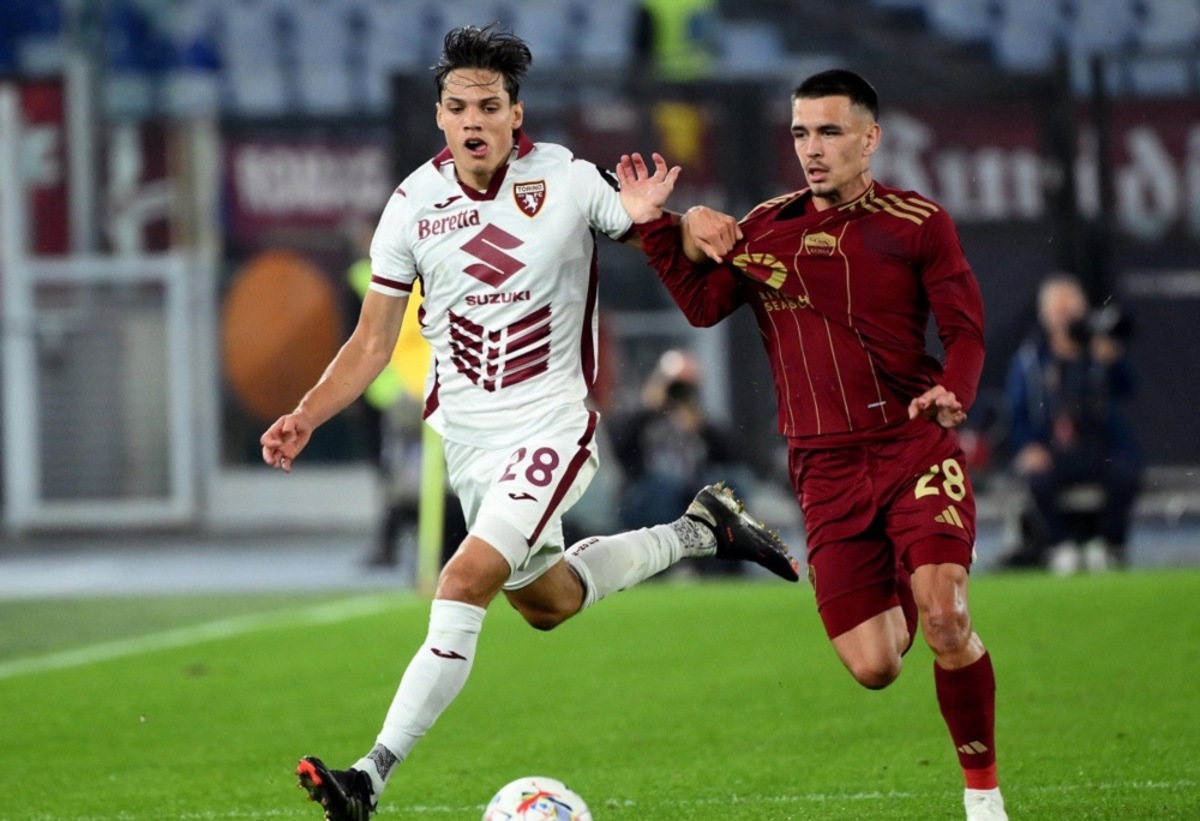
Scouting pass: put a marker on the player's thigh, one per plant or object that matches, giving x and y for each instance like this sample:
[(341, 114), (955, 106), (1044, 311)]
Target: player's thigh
[(872, 649), (851, 565), (514, 498), (930, 507)]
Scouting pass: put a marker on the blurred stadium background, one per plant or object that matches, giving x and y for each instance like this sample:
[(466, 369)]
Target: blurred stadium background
[(183, 184)]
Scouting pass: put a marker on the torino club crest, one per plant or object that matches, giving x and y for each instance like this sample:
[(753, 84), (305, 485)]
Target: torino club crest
[(530, 196)]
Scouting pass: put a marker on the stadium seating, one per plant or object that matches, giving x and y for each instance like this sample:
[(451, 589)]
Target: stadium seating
[(271, 57), (266, 57), (1154, 41), (30, 36), (969, 20)]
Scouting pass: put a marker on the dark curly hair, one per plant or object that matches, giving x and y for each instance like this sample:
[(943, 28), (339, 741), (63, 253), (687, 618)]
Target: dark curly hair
[(488, 48), (839, 82)]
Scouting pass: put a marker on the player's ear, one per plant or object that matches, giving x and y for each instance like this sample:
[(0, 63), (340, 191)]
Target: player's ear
[(871, 139), (518, 114), (438, 117)]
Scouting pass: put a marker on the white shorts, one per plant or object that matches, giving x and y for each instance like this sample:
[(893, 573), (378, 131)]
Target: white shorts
[(514, 497)]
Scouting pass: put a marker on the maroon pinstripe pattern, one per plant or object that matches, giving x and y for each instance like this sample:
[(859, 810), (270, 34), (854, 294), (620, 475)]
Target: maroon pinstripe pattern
[(525, 340), (569, 475), (527, 322), (500, 359), (516, 378)]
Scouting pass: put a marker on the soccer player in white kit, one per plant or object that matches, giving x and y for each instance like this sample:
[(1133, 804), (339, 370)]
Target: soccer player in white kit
[(500, 231)]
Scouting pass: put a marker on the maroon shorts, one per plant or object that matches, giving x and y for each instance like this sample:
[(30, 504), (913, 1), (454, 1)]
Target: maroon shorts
[(873, 513)]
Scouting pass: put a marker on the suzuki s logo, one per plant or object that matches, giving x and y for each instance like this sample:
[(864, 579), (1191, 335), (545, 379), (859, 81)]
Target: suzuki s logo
[(488, 246), (530, 196)]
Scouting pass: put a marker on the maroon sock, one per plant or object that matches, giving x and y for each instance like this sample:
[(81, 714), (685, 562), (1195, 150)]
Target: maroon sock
[(967, 698)]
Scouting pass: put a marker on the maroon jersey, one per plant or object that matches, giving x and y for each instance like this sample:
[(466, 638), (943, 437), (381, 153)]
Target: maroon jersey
[(842, 297)]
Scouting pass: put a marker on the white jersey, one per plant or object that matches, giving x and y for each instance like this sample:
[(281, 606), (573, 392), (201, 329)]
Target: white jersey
[(509, 283)]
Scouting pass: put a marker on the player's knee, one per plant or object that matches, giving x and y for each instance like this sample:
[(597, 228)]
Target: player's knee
[(544, 621), (541, 618), (876, 672), (474, 575), (947, 628), (471, 588)]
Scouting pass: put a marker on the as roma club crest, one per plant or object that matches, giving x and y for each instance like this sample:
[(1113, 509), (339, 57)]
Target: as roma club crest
[(820, 244), (530, 196)]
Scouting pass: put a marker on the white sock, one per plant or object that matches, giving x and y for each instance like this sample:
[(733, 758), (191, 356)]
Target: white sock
[(609, 564), (433, 679)]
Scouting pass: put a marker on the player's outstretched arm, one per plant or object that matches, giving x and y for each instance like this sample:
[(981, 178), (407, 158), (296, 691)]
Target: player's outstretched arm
[(364, 356), (706, 234)]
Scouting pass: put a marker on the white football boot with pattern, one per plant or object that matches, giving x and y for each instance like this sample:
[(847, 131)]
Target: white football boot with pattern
[(984, 805)]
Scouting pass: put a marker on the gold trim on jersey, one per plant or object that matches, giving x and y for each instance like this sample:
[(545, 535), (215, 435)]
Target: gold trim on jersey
[(923, 208), (772, 202), (913, 209)]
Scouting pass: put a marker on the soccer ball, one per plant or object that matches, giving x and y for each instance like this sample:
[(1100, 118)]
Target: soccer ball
[(536, 798)]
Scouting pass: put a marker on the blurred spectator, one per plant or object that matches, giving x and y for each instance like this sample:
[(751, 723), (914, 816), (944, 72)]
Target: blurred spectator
[(676, 39), (1065, 385), (668, 447)]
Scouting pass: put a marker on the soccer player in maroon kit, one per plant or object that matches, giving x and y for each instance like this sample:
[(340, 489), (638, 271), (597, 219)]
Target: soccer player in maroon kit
[(842, 277)]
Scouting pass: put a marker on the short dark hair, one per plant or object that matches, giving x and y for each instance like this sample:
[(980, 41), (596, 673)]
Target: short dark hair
[(488, 48), (839, 82)]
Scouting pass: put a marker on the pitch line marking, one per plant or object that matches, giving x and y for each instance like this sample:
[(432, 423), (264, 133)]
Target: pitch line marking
[(327, 613)]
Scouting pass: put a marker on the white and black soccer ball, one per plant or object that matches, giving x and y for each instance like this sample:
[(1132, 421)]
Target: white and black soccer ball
[(536, 798)]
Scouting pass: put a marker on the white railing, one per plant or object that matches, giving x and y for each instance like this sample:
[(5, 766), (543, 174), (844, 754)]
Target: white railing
[(99, 412)]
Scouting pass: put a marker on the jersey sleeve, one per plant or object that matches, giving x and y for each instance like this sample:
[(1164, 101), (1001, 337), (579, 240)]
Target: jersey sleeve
[(705, 295), (957, 306), (393, 266), (597, 192)]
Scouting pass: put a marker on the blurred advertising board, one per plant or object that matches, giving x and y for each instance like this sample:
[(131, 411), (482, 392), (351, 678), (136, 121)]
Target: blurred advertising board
[(44, 161), (987, 163)]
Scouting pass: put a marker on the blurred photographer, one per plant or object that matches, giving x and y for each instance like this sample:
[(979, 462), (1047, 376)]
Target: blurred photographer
[(1065, 387), (668, 444)]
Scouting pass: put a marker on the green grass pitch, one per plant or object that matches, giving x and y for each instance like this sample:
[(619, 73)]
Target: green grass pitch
[(719, 700)]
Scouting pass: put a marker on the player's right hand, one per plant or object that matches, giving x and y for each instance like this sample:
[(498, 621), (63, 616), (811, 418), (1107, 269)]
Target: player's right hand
[(284, 440), (940, 405)]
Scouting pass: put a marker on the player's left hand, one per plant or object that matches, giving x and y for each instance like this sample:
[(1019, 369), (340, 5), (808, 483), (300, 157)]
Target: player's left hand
[(644, 194), (708, 234), (284, 440), (940, 405)]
